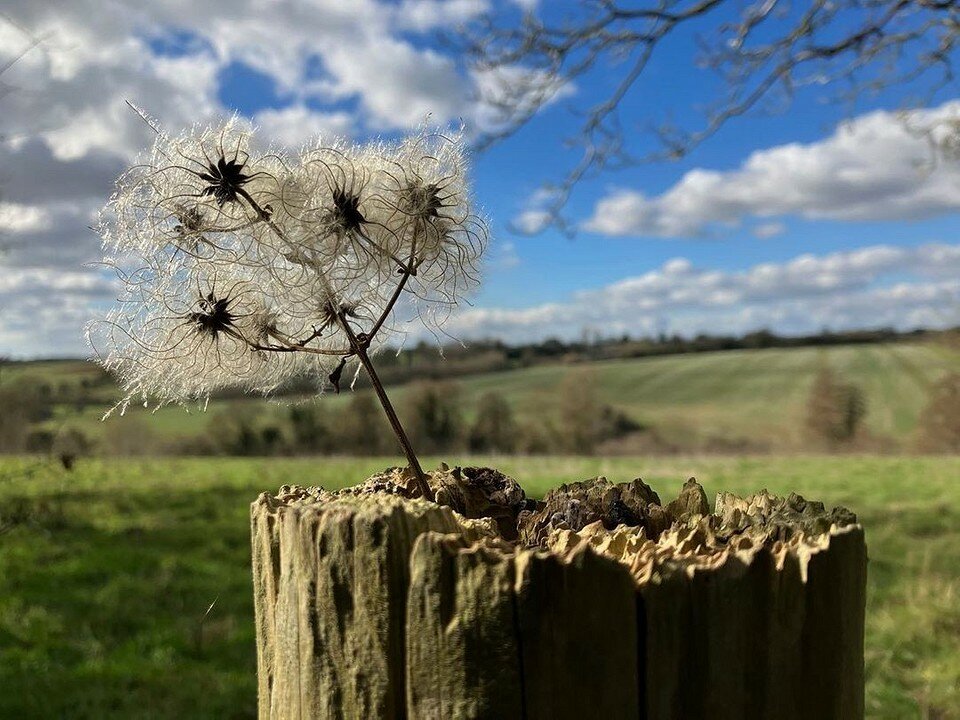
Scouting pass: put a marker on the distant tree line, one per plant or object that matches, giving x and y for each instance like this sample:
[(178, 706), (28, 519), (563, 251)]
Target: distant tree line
[(27, 423), (483, 356), (423, 361), (44, 412)]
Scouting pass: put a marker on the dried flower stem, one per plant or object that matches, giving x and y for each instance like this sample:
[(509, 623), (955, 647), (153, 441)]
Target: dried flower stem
[(360, 344)]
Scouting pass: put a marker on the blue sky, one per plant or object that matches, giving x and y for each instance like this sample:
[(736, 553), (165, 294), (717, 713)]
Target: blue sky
[(831, 201)]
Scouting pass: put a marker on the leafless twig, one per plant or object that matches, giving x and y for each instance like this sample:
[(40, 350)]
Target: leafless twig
[(765, 52)]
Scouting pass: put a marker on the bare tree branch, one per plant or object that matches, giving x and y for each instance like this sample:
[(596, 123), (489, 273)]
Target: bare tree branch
[(33, 42), (850, 47)]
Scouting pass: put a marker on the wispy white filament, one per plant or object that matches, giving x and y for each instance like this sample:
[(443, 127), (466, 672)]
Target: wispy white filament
[(238, 266)]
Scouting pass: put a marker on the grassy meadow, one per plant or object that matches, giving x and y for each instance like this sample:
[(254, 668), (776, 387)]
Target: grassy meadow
[(125, 585)]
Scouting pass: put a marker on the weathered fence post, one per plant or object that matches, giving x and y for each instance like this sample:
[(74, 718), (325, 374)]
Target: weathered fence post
[(605, 603)]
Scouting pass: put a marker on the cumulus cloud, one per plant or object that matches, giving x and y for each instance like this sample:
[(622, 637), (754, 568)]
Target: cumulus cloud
[(95, 56), (67, 129), (536, 214), (292, 126), (16, 219), (44, 310), (769, 230), (31, 174), (506, 256), (510, 91), (875, 167), (398, 85), (65, 243), (423, 15), (530, 222), (879, 285)]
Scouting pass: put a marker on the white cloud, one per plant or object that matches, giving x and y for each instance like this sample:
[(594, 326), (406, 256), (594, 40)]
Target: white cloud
[(398, 85), (95, 56), (43, 311), (768, 230), (531, 222), (294, 125), (423, 15), (517, 88), (875, 167), (38, 280), (62, 242), (67, 131), (506, 256), (30, 174), (536, 214), (849, 289), (16, 218)]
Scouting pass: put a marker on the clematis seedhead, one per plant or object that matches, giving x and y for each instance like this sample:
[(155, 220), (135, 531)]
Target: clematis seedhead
[(245, 265)]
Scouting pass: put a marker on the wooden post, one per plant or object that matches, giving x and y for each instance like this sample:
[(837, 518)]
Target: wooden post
[(610, 604)]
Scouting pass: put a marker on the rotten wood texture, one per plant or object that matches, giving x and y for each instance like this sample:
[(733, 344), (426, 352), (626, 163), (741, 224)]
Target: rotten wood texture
[(331, 574), (599, 601)]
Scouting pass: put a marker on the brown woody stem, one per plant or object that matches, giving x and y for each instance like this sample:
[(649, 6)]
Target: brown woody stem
[(360, 344)]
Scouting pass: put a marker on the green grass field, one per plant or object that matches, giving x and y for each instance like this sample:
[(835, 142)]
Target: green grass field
[(107, 573), (729, 397)]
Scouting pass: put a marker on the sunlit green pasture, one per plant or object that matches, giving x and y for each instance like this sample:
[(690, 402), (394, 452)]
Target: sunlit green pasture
[(125, 584)]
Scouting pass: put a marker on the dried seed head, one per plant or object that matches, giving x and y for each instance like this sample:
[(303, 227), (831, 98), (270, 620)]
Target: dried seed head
[(240, 268), (226, 180), (189, 220), (212, 316), (346, 211)]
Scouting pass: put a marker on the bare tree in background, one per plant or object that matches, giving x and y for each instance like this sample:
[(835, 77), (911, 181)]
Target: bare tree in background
[(5, 88), (494, 429), (31, 41), (763, 50), (939, 423), (835, 410)]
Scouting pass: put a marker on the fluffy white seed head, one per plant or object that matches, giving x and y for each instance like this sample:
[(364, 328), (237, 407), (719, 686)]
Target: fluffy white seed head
[(245, 269)]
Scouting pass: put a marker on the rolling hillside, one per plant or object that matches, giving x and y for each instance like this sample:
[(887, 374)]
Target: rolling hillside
[(758, 394), (746, 399)]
